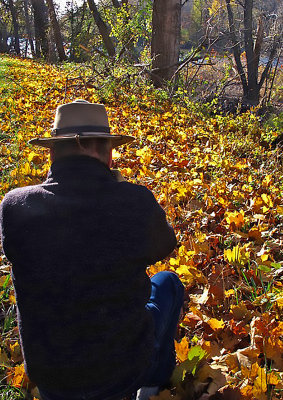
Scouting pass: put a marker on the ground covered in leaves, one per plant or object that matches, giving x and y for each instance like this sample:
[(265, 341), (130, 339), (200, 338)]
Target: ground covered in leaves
[(221, 186)]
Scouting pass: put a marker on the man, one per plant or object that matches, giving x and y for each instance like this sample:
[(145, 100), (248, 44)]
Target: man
[(92, 324)]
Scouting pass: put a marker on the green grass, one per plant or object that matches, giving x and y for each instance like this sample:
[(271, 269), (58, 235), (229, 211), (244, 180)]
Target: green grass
[(5, 63), (7, 89), (10, 393)]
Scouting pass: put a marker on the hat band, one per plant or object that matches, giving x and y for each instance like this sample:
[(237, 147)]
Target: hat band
[(80, 129)]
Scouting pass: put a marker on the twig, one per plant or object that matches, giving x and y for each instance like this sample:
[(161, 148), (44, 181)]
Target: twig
[(274, 74)]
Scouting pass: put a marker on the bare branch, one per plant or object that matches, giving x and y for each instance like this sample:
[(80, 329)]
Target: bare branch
[(276, 44), (274, 74), (185, 1)]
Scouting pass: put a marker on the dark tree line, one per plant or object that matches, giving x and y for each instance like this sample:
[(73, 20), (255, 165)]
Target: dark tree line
[(119, 29)]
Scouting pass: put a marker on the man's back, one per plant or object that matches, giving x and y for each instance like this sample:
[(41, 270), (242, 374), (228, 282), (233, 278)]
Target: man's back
[(79, 244)]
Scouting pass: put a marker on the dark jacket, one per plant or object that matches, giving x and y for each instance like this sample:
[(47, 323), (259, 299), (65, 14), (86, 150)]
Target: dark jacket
[(79, 244)]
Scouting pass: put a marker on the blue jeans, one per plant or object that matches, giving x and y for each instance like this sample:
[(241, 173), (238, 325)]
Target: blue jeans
[(165, 304)]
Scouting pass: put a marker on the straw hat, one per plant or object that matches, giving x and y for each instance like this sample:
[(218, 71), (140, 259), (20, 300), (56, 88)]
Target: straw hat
[(81, 119)]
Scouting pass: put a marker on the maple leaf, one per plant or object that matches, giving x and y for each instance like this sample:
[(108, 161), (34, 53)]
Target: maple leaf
[(235, 219), (215, 324), (182, 349), (17, 377)]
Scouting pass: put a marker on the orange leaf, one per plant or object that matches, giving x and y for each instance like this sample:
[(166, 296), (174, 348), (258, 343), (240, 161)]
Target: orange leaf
[(182, 349), (17, 377)]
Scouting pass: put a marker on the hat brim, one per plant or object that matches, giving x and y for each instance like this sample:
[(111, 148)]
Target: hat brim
[(116, 140)]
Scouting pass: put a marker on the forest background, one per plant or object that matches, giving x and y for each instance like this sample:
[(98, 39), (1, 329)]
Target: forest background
[(199, 84)]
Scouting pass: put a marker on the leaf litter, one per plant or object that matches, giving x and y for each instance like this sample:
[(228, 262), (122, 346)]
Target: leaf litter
[(222, 192)]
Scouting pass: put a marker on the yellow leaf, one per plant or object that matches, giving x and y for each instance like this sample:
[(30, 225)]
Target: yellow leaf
[(215, 324), (12, 299), (273, 378), (173, 261), (260, 386), (197, 312), (238, 255), (127, 172), (267, 199), (266, 181), (182, 349), (241, 165), (115, 154), (246, 391), (229, 293), (31, 155), (158, 267), (16, 354), (257, 203), (200, 236), (236, 218), (279, 301)]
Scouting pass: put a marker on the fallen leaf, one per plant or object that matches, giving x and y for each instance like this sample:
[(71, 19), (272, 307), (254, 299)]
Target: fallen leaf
[(215, 324), (182, 349)]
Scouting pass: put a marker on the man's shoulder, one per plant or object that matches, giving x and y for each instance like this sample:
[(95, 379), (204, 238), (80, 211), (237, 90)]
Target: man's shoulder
[(18, 195), (137, 190)]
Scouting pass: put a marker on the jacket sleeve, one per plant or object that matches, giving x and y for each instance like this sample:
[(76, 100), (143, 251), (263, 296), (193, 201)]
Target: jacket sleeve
[(3, 223), (161, 239), (8, 228)]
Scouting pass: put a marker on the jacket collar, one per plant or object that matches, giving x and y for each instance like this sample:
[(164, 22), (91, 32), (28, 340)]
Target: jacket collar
[(69, 168)]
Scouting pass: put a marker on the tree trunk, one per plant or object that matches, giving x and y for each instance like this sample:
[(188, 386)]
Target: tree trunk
[(40, 27), (251, 83), (56, 31), (28, 28), (102, 27), (236, 48), (3, 38), (258, 44), (253, 89), (116, 3), (15, 27), (165, 43), (52, 56)]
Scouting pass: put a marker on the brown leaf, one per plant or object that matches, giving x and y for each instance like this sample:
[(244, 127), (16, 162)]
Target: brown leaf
[(226, 393), (191, 320), (240, 312)]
